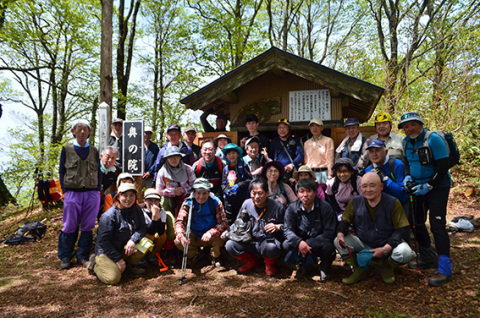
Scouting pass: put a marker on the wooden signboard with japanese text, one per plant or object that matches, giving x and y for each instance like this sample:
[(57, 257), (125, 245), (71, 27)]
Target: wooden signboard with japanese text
[(133, 147)]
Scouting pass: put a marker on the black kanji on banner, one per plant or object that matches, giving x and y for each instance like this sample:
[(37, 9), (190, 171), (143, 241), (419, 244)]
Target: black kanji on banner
[(133, 147)]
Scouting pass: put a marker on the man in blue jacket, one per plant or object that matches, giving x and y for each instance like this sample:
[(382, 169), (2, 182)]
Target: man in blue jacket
[(390, 170), (286, 149), (310, 225), (429, 163)]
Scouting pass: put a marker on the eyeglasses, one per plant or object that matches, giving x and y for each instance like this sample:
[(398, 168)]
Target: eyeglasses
[(410, 115)]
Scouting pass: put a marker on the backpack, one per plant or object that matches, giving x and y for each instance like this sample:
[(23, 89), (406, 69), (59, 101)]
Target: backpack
[(29, 232), (452, 147), (200, 162)]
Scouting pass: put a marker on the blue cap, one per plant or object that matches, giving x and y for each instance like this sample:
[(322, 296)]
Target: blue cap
[(174, 127), (377, 143), (351, 122), (364, 258)]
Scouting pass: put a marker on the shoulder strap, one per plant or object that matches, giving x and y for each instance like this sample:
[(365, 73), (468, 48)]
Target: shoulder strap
[(199, 166), (426, 137), (219, 163), (391, 167)]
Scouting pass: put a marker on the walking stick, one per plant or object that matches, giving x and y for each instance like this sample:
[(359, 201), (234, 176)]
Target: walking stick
[(185, 249)]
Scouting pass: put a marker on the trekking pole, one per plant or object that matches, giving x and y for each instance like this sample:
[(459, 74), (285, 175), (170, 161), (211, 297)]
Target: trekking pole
[(185, 249), (30, 205), (412, 212)]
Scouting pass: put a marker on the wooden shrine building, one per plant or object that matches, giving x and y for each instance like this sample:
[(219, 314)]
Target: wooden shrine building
[(277, 84)]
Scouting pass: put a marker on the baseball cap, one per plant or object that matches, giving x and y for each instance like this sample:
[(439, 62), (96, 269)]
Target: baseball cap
[(174, 127), (152, 194), (376, 143), (117, 120), (190, 128), (316, 121), (253, 139), (148, 129), (124, 187), (351, 122)]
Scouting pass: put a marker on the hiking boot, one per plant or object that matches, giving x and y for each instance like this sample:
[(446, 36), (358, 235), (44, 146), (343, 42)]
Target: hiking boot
[(65, 265), (387, 270), (439, 279), (91, 265), (270, 268), (357, 276), (135, 270), (252, 262), (83, 262), (196, 259), (301, 271), (358, 273), (421, 264)]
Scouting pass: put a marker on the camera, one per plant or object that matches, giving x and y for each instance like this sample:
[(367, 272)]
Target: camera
[(409, 187)]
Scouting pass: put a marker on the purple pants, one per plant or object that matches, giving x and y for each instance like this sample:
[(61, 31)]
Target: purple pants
[(80, 207)]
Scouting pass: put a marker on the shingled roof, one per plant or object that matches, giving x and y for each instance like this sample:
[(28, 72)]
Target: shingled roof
[(362, 96)]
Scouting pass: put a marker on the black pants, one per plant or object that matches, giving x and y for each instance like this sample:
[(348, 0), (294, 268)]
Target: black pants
[(434, 202)]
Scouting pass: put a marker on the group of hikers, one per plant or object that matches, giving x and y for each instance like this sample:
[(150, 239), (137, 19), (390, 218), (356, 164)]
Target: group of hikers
[(261, 200)]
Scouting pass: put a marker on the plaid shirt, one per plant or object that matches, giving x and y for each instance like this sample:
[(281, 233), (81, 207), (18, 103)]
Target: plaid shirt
[(182, 219), (167, 187)]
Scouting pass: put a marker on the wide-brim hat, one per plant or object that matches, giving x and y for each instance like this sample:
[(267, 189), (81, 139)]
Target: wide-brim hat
[(173, 151), (124, 187), (277, 164), (152, 194), (230, 147), (253, 139), (410, 116), (202, 184), (344, 162), (124, 175), (304, 168)]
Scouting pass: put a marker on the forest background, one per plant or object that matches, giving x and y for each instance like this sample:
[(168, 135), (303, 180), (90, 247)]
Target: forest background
[(424, 53)]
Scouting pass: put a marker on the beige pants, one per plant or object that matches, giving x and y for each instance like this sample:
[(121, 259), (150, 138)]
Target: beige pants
[(196, 242), (107, 270)]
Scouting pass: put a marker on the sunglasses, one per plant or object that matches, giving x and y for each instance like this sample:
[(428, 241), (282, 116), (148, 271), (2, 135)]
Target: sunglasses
[(410, 115)]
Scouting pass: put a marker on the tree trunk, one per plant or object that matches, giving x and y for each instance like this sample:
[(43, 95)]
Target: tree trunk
[(106, 73), (5, 195)]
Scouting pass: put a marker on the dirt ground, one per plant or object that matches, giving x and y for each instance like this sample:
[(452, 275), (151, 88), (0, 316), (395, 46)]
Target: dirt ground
[(32, 285)]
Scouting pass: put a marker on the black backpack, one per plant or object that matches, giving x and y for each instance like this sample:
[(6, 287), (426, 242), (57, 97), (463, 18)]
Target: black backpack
[(29, 232)]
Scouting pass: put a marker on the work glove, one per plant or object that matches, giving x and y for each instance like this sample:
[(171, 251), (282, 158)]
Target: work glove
[(407, 179), (421, 189)]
